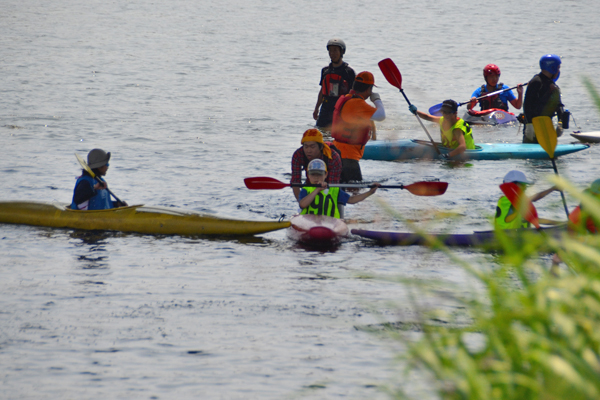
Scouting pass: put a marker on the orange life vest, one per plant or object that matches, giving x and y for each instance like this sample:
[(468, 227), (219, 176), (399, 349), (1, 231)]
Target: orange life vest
[(345, 132)]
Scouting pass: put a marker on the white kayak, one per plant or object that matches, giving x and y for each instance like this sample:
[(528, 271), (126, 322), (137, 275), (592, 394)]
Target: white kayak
[(587, 137)]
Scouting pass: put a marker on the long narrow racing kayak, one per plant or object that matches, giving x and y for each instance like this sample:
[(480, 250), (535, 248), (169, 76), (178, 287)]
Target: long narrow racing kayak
[(140, 219), (486, 239), (407, 149), (492, 116), (318, 230)]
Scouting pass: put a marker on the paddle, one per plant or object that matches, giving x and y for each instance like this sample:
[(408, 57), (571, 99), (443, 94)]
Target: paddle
[(513, 192), (417, 188), (393, 76), (546, 137), (437, 109), (87, 168)]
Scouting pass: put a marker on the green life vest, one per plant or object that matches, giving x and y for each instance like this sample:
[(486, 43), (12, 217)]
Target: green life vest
[(448, 137), (503, 209), (323, 204)]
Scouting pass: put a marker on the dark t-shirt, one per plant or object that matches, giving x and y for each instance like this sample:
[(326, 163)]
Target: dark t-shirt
[(537, 97), (333, 90)]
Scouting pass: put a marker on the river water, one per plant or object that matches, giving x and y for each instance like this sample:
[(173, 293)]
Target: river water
[(192, 97)]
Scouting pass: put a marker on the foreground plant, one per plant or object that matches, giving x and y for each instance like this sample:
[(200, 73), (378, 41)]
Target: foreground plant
[(534, 335)]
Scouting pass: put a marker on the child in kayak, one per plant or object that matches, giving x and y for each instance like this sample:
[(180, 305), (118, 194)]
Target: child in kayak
[(491, 74), (323, 200), (456, 133), (92, 193), (506, 215)]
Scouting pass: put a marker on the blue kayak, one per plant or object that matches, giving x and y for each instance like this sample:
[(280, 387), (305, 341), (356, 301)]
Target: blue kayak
[(408, 149)]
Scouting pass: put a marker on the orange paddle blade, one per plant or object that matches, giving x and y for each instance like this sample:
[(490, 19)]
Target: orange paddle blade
[(521, 202)]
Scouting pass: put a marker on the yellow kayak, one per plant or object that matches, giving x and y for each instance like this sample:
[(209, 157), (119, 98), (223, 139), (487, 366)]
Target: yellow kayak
[(140, 219)]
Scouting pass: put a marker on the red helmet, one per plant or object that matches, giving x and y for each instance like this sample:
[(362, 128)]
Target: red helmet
[(491, 69)]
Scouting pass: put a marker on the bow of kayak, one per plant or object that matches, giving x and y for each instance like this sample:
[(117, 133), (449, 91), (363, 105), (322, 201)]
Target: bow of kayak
[(407, 149), (319, 230), (137, 218), (588, 137)]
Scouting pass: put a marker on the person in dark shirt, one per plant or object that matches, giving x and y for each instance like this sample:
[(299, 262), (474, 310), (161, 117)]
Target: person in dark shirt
[(336, 80), (92, 193), (542, 97)]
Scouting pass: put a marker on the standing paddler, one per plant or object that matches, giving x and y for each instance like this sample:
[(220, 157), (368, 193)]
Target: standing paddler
[(336, 80), (353, 124), (313, 147), (542, 98)]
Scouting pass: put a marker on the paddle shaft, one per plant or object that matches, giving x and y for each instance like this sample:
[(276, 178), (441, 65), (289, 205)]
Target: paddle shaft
[(422, 125), (547, 138), (435, 110), (348, 185), (394, 77), (492, 94), (561, 192)]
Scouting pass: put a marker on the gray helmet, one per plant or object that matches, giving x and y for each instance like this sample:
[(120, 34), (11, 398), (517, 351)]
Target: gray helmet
[(98, 158), (337, 42)]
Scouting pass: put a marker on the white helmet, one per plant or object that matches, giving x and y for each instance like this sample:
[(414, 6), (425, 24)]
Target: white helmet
[(516, 176), (337, 42)]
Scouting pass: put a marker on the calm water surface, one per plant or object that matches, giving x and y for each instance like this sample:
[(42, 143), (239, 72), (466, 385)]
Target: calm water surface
[(191, 98)]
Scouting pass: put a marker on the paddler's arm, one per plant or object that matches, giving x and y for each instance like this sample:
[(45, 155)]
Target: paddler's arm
[(379, 114), (543, 194), (518, 102), (373, 131), (297, 164), (511, 215), (462, 145), (545, 221), (428, 117), (308, 199), (360, 197), (319, 102)]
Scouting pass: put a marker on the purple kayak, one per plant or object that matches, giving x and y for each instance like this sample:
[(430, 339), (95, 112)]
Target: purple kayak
[(486, 239)]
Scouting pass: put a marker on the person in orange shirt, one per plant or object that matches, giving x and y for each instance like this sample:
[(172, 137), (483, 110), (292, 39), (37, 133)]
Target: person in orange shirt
[(579, 219), (353, 124)]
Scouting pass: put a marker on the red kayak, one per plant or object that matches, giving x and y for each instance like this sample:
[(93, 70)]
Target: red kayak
[(317, 230)]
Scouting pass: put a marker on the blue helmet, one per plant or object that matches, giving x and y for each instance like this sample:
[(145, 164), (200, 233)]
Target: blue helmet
[(550, 63)]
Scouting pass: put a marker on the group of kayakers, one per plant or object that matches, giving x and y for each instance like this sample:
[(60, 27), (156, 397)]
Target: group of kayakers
[(342, 108)]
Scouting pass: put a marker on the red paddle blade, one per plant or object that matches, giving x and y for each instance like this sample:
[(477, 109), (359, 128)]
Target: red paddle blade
[(520, 202), (427, 188), (391, 72), (264, 182)]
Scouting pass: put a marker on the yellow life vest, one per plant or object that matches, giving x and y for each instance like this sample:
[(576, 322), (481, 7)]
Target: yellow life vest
[(324, 203), (448, 137), (503, 209)]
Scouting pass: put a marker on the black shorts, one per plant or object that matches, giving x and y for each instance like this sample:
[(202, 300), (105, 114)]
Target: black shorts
[(350, 171)]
